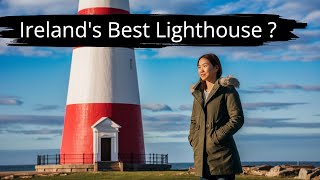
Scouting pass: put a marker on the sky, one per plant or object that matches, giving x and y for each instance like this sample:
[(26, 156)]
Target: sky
[(279, 91)]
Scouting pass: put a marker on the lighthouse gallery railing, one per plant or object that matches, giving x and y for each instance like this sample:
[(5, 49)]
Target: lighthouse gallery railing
[(87, 159)]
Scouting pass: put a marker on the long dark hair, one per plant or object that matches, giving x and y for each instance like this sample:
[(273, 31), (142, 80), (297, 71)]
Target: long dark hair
[(215, 61)]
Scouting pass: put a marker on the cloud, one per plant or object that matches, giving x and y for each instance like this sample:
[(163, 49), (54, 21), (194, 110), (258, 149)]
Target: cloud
[(43, 7), (281, 131), (169, 7), (41, 107), (156, 107), (32, 51), (166, 122), (291, 87), (52, 52), (312, 17), (294, 9), (277, 137), (8, 120), (36, 132), (316, 115), (29, 7), (256, 91), (10, 100), (269, 105), (185, 107), (278, 122)]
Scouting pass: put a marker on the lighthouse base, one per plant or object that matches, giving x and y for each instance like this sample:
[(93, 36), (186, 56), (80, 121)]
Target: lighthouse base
[(65, 168)]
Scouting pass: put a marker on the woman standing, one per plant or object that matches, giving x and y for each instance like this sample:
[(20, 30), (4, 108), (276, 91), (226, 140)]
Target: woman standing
[(216, 116)]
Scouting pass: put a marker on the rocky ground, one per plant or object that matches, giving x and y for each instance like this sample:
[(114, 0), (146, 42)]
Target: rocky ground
[(297, 172)]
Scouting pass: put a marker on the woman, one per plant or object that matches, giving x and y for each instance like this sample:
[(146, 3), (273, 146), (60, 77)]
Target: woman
[(216, 116)]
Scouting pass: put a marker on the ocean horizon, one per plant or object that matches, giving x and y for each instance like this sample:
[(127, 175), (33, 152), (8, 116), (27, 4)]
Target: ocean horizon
[(178, 166)]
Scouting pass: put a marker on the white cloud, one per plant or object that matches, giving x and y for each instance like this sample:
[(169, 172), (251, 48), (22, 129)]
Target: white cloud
[(167, 7), (10, 101), (30, 7), (313, 17), (315, 88), (156, 107), (269, 105), (32, 51), (279, 131), (7, 121)]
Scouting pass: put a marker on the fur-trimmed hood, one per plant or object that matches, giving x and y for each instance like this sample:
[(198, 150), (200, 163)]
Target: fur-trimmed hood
[(223, 81)]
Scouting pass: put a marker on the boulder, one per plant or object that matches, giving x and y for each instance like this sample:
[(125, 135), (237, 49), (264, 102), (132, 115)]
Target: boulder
[(290, 172), (25, 177), (275, 171), (308, 173), (191, 170), (8, 177), (246, 169), (258, 172)]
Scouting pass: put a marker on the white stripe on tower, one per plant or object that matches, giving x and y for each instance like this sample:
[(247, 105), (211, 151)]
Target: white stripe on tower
[(103, 75)]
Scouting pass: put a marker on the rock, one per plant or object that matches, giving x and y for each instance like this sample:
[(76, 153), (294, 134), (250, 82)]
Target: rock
[(259, 170), (25, 177), (308, 173), (63, 174), (303, 173), (8, 177), (289, 172), (246, 169), (191, 170), (275, 171)]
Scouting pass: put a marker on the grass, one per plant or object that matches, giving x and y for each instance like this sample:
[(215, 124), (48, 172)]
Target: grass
[(150, 175)]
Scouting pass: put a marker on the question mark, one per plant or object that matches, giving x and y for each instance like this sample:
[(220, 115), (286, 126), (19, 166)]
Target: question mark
[(274, 27)]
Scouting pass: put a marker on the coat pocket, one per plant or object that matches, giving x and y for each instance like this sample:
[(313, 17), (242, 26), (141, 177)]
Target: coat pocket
[(195, 137)]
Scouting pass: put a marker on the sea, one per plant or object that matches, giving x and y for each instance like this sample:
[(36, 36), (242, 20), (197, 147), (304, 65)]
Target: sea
[(179, 166)]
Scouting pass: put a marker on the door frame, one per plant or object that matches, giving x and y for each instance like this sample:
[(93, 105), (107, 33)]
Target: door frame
[(105, 128)]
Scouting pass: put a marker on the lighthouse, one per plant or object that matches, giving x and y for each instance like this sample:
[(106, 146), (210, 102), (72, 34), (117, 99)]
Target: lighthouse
[(103, 113)]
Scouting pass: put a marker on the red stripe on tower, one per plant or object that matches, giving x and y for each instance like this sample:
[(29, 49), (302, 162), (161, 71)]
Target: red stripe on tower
[(103, 83), (102, 11)]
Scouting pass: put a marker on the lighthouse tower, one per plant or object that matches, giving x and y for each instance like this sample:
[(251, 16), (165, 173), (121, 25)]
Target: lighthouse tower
[(103, 112)]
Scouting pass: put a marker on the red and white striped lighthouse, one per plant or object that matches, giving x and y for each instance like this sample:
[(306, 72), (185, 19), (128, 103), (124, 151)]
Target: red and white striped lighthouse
[(103, 83)]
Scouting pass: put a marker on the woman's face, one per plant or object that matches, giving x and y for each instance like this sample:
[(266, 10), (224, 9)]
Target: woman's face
[(206, 70)]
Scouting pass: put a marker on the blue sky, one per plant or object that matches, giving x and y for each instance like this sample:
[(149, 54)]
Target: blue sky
[(279, 90)]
